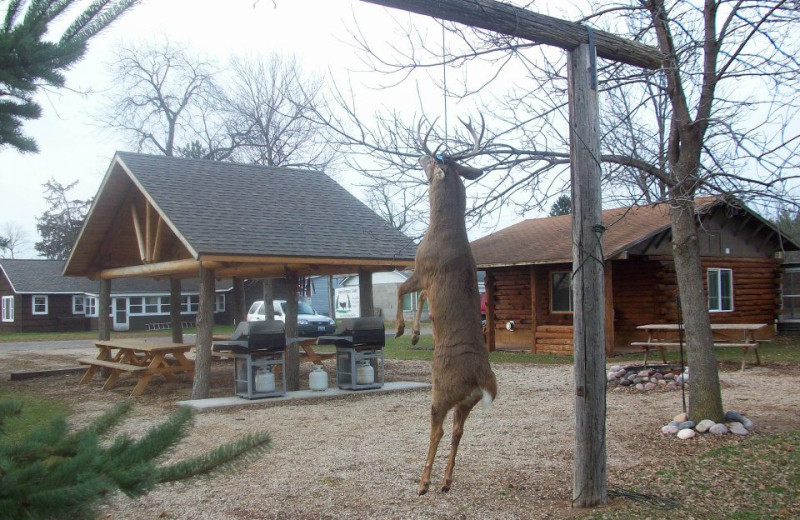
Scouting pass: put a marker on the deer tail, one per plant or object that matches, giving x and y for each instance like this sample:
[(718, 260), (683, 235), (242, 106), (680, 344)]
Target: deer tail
[(489, 389)]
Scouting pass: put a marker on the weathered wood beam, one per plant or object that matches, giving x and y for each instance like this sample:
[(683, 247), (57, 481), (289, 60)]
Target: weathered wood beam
[(355, 262), (137, 227), (159, 269), (148, 233), (159, 240), (516, 21), (366, 307)]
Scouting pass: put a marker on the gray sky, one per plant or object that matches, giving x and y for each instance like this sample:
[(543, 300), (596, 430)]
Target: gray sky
[(74, 147)]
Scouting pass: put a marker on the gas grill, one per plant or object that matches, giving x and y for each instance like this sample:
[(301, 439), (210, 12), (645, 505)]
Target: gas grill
[(258, 348), (360, 356)]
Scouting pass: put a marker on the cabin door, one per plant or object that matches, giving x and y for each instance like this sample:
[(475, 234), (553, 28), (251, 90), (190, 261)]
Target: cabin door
[(120, 312)]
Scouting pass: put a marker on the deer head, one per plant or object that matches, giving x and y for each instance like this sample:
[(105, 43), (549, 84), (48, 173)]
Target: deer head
[(438, 166)]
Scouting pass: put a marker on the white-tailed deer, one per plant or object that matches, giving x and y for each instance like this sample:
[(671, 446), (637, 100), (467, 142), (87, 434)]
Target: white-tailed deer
[(445, 271)]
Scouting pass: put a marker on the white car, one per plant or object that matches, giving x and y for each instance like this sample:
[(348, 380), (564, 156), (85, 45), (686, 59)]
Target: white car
[(309, 323)]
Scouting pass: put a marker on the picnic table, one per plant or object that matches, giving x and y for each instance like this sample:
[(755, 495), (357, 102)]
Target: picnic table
[(141, 358), (737, 335)]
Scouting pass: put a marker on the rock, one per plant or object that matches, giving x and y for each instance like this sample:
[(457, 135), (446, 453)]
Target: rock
[(669, 429), (738, 428), (611, 376), (704, 425), (631, 376), (681, 417), (639, 386), (620, 373), (625, 382), (718, 429), (644, 373), (686, 433), (669, 375), (673, 423), (671, 386), (650, 386), (615, 368), (638, 380), (662, 382), (658, 375), (686, 424), (734, 416)]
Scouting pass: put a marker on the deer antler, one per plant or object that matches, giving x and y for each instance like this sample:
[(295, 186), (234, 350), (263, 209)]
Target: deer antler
[(476, 140), (423, 143)]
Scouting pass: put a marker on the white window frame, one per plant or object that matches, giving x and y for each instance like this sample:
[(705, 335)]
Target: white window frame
[(219, 303), (90, 306), (715, 289), (552, 292), (190, 304), (8, 309), (78, 304), (45, 312), (787, 296)]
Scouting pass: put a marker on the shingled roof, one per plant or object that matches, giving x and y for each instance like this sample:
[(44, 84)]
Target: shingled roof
[(34, 276), (548, 240), (222, 208)]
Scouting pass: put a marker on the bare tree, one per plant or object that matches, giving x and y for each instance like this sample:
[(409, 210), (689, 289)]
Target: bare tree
[(12, 239), (717, 119), (265, 104), (164, 100)]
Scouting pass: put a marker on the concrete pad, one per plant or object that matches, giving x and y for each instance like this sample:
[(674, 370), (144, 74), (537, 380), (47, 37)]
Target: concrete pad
[(330, 393)]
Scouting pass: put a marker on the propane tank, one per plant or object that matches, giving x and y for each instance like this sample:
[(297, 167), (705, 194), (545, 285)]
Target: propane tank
[(265, 380), (365, 374), (318, 379)]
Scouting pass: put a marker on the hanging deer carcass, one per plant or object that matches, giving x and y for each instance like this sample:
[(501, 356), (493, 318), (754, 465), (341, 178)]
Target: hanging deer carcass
[(445, 271)]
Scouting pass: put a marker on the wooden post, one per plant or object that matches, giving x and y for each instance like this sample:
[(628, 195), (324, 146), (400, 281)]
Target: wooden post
[(268, 295), (609, 306), (534, 309), (365, 293), (589, 475), (293, 349), (103, 325), (205, 329), (491, 340), (175, 309), (239, 304), (331, 298)]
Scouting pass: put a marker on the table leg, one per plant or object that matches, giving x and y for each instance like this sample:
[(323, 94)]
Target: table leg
[(104, 354)]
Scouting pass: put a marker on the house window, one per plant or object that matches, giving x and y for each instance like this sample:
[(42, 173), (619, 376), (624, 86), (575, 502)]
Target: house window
[(790, 295), (189, 304), (561, 291), (151, 304), (409, 301), (39, 304), (136, 305), (91, 306), (78, 306), (8, 308), (720, 290), (165, 305), (219, 303)]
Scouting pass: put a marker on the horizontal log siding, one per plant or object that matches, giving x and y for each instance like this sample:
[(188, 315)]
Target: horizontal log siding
[(512, 302)]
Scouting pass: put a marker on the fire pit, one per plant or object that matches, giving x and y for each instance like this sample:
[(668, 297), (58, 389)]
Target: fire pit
[(646, 378)]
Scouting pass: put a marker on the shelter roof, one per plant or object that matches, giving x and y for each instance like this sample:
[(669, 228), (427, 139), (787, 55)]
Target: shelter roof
[(548, 240), (191, 209)]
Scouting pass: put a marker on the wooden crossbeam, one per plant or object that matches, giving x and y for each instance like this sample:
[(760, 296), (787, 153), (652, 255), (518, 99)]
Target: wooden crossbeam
[(137, 226)]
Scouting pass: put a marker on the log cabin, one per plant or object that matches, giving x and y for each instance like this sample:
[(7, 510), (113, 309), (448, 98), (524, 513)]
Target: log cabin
[(528, 271), (37, 298)]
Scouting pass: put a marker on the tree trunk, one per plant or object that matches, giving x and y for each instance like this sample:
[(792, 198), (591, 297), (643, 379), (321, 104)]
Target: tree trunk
[(293, 350), (589, 467), (175, 310), (366, 307), (239, 304), (103, 325), (205, 329), (268, 295), (705, 397)]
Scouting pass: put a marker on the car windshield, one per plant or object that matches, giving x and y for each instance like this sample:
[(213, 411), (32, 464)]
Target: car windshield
[(302, 308)]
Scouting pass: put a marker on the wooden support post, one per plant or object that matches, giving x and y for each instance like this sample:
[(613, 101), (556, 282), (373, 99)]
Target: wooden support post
[(331, 298), (293, 350), (609, 306), (103, 305), (175, 309), (491, 339), (137, 227), (205, 330), (534, 309), (365, 293), (268, 295), (159, 240), (148, 233), (589, 475), (239, 305)]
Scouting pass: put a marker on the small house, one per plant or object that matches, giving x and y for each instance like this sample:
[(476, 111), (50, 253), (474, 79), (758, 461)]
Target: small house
[(528, 274)]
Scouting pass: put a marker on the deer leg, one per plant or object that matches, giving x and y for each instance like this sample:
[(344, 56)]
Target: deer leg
[(415, 331), (437, 418), (414, 283), (460, 414)]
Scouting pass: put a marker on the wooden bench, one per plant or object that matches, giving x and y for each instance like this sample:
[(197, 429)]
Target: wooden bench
[(662, 345), (114, 365)]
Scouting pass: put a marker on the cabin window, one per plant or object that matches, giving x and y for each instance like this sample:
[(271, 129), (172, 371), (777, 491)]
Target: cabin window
[(790, 295), (190, 304), (39, 304), (165, 305), (8, 308), (78, 305), (561, 291), (411, 302), (219, 303), (91, 306), (720, 290)]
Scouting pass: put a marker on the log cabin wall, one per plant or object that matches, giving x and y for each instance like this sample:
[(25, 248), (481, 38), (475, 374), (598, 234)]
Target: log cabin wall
[(511, 301), (59, 315)]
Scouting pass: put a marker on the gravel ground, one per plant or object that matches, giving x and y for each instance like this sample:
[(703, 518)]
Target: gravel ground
[(360, 457)]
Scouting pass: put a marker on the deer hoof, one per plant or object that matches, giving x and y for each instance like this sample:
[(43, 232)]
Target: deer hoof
[(399, 331), (414, 337), (445, 488), (423, 488)]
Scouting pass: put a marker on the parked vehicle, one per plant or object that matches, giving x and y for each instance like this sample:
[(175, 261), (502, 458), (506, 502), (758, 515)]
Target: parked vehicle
[(309, 323)]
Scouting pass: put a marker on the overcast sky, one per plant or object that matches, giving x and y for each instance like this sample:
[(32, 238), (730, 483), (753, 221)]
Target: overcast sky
[(73, 146)]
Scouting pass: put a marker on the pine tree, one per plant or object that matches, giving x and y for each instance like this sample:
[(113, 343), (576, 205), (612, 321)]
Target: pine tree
[(60, 225), (28, 61), (562, 206), (54, 474)]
